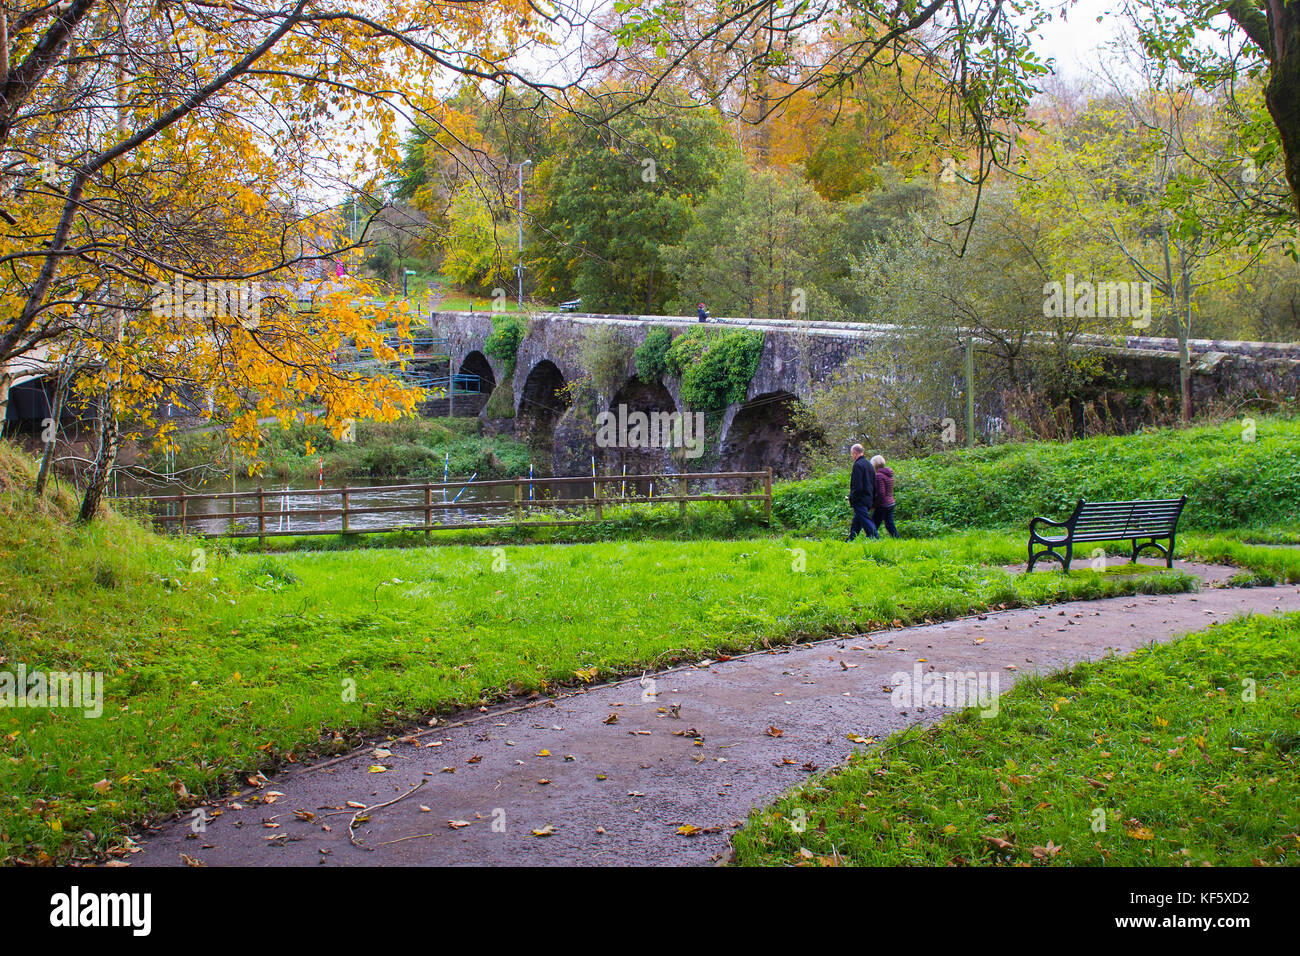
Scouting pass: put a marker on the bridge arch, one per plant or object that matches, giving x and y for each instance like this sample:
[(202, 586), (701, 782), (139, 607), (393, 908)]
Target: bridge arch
[(477, 364), (28, 404), (543, 399), (641, 413), (764, 434)]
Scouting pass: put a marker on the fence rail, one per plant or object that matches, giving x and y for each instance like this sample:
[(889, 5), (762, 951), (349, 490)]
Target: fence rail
[(528, 494)]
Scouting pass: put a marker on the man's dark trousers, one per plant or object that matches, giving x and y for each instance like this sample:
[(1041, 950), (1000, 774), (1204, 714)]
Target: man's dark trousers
[(862, 522)]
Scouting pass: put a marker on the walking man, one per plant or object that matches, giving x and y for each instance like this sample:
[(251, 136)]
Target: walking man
[(702, 312), (862, 493)]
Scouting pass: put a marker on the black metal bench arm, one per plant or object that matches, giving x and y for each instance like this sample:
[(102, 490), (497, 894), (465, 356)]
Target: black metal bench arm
[(1035, 536)]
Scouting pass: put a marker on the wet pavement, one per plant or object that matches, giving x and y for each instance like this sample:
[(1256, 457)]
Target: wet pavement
[(613, 775)]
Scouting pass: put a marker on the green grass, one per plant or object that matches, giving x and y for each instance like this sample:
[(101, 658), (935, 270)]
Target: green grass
[(1261, 564), (1231, 483), (1160, 745), (215, 673)]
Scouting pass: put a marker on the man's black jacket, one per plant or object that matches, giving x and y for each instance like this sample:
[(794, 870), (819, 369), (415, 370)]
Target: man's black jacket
[(862, 483)]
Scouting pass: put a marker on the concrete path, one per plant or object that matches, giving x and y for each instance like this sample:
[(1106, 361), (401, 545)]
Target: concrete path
[(609, 776)]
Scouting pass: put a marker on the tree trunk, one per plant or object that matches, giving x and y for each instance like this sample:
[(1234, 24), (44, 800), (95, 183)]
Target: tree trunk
[(104, 459), (1184, 339), (1282, 94), (47, 456)]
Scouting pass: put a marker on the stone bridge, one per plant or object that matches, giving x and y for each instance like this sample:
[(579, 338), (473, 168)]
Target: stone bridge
[(556, 354), (535, 400)]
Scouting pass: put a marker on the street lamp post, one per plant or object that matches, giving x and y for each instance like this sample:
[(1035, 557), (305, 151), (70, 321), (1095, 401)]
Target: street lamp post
[(519, 269)]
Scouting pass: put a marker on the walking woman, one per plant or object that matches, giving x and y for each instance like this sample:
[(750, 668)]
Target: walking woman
[(883, 516)]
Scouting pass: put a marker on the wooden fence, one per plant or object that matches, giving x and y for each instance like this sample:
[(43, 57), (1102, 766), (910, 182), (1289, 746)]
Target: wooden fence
[(525, 494)]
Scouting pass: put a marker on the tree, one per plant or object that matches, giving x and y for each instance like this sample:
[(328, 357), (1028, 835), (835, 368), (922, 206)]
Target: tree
[(1230, 45), (621, 189), (972, 58), (1134, 176), (757, 247), (994, 292), (146, 145)]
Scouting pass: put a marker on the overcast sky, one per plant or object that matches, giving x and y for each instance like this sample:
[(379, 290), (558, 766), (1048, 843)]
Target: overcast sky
[(1074, 35)]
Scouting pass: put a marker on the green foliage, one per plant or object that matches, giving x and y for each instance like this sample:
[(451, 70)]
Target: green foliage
[(605, 355), (758, 247), (474, 257), (619, 191), (715, 366), (1193, 775), (651, 356), (1230, 482), (501, 403), (507, 332), (414, 448)]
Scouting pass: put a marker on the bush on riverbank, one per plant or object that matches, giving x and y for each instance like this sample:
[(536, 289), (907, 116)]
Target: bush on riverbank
[(411, 448)]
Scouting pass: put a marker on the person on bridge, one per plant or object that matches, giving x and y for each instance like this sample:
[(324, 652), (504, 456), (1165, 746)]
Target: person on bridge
[(862, 494), (883, 516), (702, 312)]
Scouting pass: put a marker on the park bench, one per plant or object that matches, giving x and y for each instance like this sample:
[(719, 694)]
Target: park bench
[(1145, 523), (570, 306)]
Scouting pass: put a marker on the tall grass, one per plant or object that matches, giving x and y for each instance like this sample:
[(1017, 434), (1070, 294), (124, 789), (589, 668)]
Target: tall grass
[(1233, 479)]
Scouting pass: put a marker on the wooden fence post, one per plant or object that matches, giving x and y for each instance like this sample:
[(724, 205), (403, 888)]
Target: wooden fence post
[(261, 517), (767, 504), (344, 491), (184, 497), (428, 511), (519, 499)]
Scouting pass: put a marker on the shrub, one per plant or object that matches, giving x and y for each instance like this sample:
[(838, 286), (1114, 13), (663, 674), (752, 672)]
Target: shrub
[(651, 356), (715, 367), (507, 332)]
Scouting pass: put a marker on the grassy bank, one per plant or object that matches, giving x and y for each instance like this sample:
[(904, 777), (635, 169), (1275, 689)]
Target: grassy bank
[(218, 665), (1160, 745), (414, 448), (1233, 478)]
